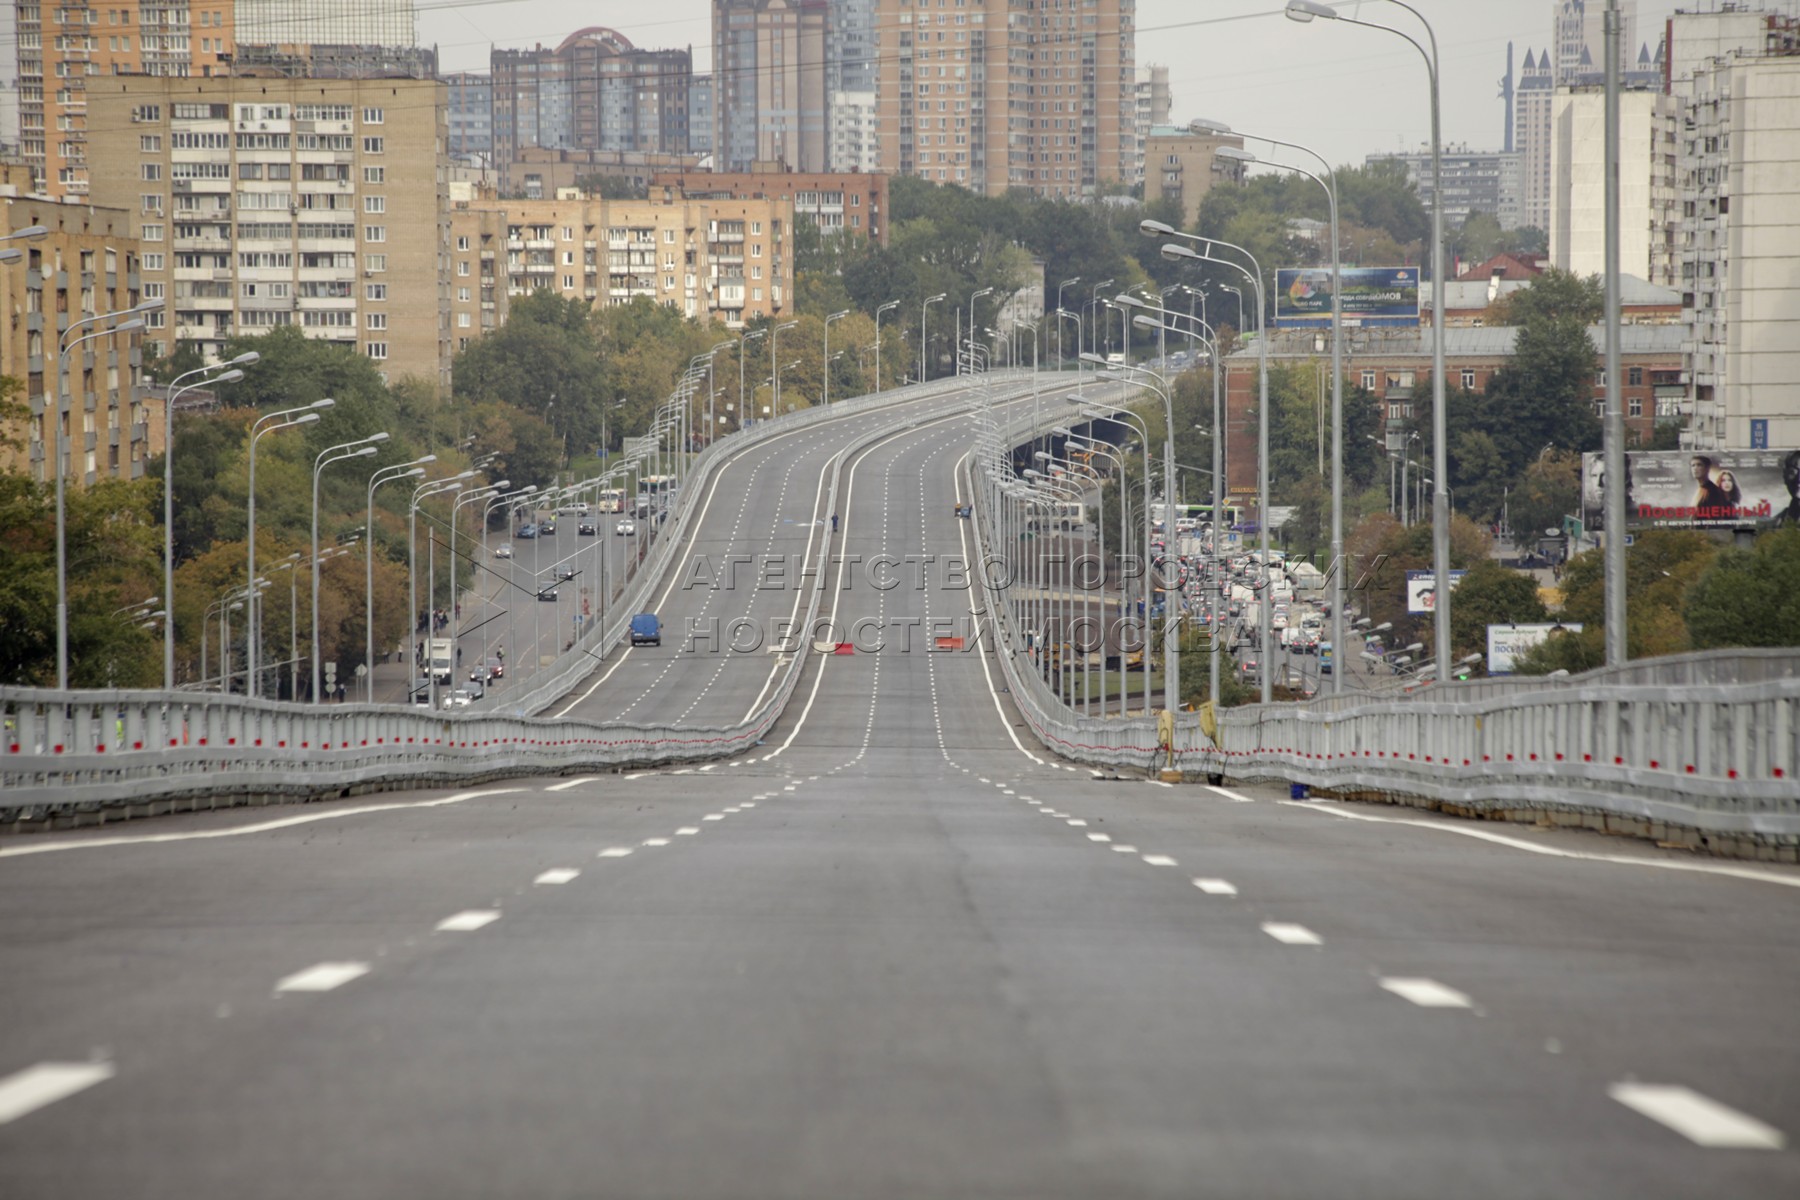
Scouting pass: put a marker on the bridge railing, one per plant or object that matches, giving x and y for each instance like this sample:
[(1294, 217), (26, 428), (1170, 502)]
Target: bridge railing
[(1707, 742)]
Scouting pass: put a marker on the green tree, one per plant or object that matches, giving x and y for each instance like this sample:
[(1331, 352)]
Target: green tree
[(1748, 597), (1491, 594)]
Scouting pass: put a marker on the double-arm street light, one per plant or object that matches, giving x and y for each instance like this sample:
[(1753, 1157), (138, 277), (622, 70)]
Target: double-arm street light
[(775, 354), (1094, 316), (778, 373), (1061, 356), (1308, 10), (409, 470), (986, 291), (127, 320), (749, 336), (825, 393), (923, 310), (1175, 251), (287, 418), (177, 389), (360, 448), (891, 304)]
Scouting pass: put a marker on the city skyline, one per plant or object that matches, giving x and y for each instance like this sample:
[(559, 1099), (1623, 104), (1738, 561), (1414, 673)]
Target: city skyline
[(1247, 34)]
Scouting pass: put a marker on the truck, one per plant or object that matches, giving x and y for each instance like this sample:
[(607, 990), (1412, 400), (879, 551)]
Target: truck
[(440, 659)]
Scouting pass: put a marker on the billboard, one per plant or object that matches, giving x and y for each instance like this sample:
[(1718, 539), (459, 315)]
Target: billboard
[(1680, 489), (1506, 643), (1421, 590), (1372, 296)]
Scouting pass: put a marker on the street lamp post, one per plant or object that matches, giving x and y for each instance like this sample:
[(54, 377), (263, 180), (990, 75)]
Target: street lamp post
[(410, 470), (175, 392), (1307, 10), (923, 310), (306, 414), (825, 394), (986, 291), (1094, 315), (1061, 354), (134, 322), (360, 448), (774, 354), (743, 345), (883, 308)]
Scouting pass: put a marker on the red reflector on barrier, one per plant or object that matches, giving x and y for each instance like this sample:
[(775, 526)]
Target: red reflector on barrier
[(100, 749), (134, 746), (59, 750)]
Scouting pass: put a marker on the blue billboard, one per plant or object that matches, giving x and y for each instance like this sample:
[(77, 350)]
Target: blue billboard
[(1373, 296)]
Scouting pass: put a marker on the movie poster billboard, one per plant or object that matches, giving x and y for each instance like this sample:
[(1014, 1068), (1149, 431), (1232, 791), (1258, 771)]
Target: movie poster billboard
[(1506, 644), (1372, 296), (1421, 590), (1680, 489)]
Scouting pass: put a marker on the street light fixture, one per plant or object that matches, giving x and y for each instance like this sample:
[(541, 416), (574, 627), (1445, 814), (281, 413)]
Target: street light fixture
[(305, 414), (408, 470), (883, 308), (923, 310), (825, 396), (986, 291), (775, 353), (360, 448)]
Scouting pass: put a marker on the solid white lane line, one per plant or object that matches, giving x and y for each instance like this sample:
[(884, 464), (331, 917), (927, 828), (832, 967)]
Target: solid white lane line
[(574, 783), (1700, 1120), (1230, 795), (1159, 860), (259, 827), (323, 977), (1292, 935), (558, 875), (468, 920), (614, 852), (1216, 887), (1427, 993), (1500, 839), (31, 1089)]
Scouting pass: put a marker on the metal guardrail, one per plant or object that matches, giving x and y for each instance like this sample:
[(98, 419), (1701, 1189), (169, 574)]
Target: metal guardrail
[(1707, 742), (121, 751)]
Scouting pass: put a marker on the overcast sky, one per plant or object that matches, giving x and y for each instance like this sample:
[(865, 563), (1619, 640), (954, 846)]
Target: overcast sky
[(1345, 92)]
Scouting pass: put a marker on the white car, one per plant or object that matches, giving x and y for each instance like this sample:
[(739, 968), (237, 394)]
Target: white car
[(503, 550), (626, 528)]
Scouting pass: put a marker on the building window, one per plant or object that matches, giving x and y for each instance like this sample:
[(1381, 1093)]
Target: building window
[(1636, 404), (374, 233), (462, 243), (152, 202), (150, 143), (153, 233), (462, 320), (377, 320), (1368, 381), (375, 291), (1634, 376), (152, 172), (375, 262), (376, 350), (1468, 379), (374, 174), (153, 262), (462, 295), (372, 116), (373, 145), (1599, 376), (568, 283), (1600, 407), (374, 204), (462, 270)]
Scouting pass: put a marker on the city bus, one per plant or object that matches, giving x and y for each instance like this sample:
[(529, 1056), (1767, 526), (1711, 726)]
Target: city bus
[(612, 500)]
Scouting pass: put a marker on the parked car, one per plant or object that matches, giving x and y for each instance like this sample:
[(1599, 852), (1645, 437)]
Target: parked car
[(646, 630), (503, 550), (626, 528), (585, 529), (527, 531)]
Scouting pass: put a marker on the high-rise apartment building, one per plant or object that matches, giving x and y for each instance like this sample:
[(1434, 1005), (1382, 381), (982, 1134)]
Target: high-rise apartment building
[(86, 263), (852, 202), (1000, 94), (700, 115), (1646, 183), (1486, 181), (1183, 166), (593, 91), (327, 22), (714, 257), (771, 100), (1154, 104), (261, 202), (1739, 240), (1579, 39), (471, 115), (64, 48)]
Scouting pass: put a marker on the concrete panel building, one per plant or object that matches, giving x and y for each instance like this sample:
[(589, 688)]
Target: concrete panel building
[(318, 203), (86, 264), (592, 91), (1646, 183), (996, 94), (842, 202), (716, 257), (1184, 166), (771, 95)]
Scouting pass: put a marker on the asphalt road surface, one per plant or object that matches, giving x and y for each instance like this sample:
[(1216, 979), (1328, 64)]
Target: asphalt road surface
[(896, 952)]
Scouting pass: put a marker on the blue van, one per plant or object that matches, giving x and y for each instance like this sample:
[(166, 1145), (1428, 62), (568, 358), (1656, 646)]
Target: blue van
[(646, 630)]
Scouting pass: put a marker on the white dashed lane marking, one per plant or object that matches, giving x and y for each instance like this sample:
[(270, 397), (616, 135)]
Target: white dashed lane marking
[(1159, 860), (1427, 993), (614, 852), (559, 875), (31, 1089), (323, 977), (468, 920), (1700, 1120), (574, 783), (1292, 935), (1215, 887)]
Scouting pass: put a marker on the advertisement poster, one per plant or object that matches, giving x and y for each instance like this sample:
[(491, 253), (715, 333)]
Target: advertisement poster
[(1421, 590), (1679, 489), (1372, 296), (1507, 643)]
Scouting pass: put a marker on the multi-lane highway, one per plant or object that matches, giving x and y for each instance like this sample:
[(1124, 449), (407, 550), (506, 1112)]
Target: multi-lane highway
[(897, 951)]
